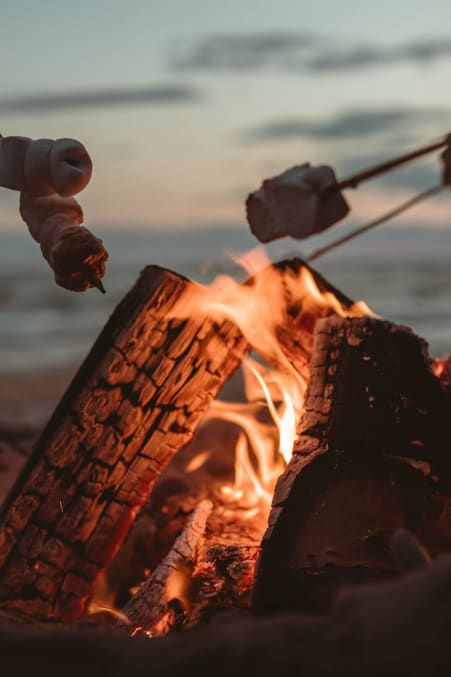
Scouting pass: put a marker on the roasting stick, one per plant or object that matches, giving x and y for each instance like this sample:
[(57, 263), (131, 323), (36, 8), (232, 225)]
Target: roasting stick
[(397, 211), (355, 179)]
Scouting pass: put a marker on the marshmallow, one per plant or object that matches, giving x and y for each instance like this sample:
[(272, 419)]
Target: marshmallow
[(299, 202), (72, 251), (44, 167)]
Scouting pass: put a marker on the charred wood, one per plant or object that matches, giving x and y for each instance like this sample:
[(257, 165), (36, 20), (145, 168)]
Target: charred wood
[(373, 456), (160, 603), (134, 402), (210, 568)]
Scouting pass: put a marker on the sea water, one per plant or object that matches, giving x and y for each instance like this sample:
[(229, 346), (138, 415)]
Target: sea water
[(404, 274)]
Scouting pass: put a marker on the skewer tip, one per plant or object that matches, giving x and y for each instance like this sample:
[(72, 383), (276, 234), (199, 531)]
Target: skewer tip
[(95, 281)]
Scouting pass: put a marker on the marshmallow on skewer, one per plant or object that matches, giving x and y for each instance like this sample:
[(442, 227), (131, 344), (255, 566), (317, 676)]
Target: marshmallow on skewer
[(48, 173), (299, 202), (76, 256)]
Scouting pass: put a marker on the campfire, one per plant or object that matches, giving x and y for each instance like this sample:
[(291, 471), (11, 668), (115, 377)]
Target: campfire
[(250, 448), (341, 426)]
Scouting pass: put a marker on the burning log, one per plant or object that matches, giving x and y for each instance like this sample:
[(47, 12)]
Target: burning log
[(373, 456), (159, 604), (309, 297), (134, 402), (209, 568), (223, 579), (15, 445)]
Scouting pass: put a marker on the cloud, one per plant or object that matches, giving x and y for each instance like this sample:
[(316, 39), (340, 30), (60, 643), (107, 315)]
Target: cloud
[(347, 125), (246, 52), (301, 52), (360, 58), (101, 98)]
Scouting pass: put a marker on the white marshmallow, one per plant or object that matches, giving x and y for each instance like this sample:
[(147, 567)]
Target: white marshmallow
[(299, 202)]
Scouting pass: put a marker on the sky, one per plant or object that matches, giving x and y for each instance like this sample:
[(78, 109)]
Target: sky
[(185, 106)]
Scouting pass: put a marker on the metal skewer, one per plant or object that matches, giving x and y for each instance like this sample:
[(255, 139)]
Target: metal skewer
[(381, 219), (94, 280)]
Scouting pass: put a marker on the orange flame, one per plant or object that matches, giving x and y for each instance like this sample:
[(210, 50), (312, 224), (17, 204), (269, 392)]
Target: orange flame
[(102, 601), (258, 308)]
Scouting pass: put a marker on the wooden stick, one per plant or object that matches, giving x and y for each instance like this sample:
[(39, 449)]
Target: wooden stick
[(355, 179), (152, 607)]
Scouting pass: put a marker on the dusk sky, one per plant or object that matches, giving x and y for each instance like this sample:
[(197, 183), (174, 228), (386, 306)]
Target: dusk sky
[(185, 106)]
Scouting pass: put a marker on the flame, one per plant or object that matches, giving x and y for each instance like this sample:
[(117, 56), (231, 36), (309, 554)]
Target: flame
[(286, 422), (438, 368), (197, 462), (263, 447), (258, 308), (177, 585), (102, 601)]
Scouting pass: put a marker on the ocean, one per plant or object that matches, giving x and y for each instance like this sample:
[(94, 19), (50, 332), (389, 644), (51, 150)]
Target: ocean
[(402, 273)]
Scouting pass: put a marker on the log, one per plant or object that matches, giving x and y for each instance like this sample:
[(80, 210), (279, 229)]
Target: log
[(303, 311), (209, 568), (397, 628), (134, 402), (373, 456), (174, 496), (223, 580), (152, 608)]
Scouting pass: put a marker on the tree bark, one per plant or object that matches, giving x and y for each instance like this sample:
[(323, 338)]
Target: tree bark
[(152, 607), (304, 310), (373, 456), (134, 402)]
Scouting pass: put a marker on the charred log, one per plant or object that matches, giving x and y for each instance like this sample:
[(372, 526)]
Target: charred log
[(373, 456), (223, 580), (160, 603), (210, 568), (303, 311), (134, 402)]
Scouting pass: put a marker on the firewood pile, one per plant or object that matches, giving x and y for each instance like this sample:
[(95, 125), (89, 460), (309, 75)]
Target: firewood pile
[(249, 477)]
